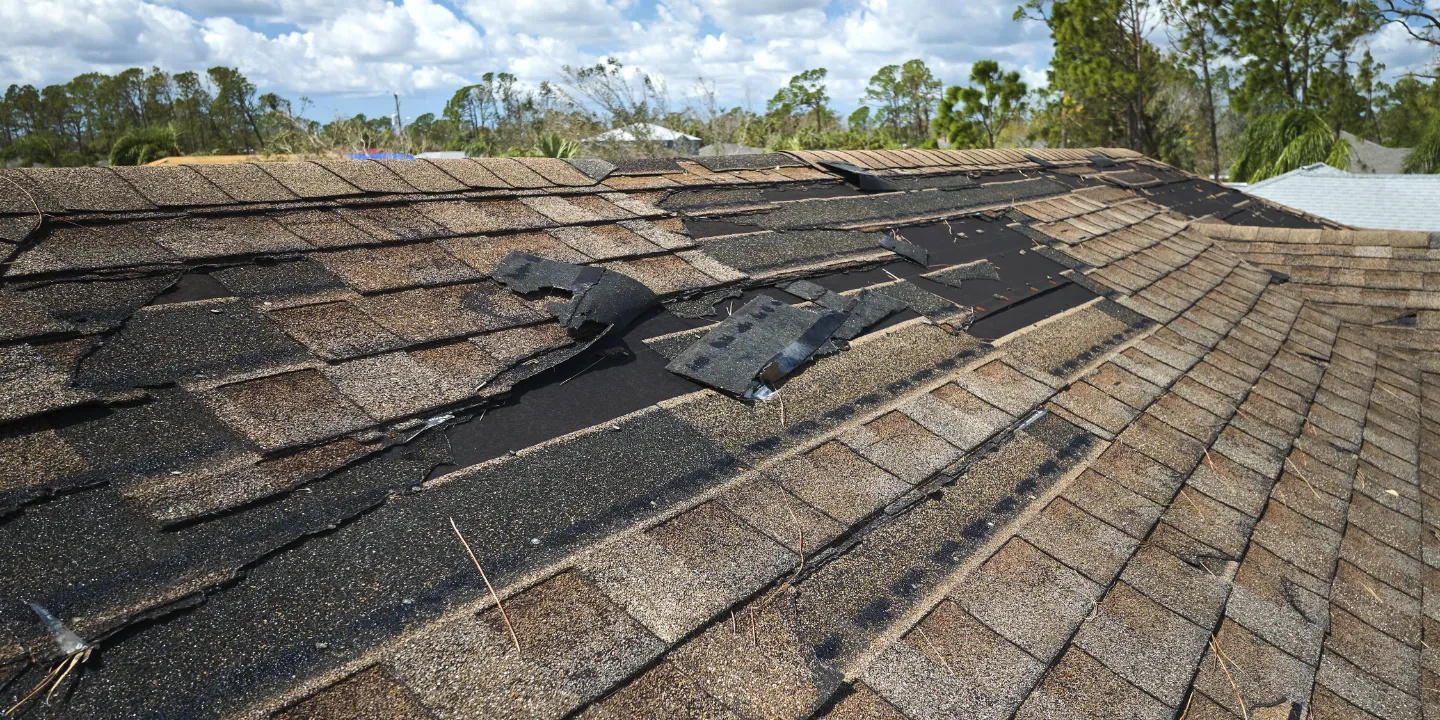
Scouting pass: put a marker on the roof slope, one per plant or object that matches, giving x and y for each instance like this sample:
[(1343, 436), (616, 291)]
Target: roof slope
[(1389, 202), (1098, 458)]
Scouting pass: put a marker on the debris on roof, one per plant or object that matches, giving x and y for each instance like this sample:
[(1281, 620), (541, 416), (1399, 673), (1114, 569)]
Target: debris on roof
[(597, 295), (761, 343)]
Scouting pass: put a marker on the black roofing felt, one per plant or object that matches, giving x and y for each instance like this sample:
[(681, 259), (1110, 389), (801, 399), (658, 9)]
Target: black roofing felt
[(758, 161)]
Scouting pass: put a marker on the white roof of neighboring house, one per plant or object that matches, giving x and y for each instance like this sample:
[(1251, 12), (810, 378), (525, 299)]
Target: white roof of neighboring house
[(641, 131), (1388, 202), (442, 155), (1373, 158)]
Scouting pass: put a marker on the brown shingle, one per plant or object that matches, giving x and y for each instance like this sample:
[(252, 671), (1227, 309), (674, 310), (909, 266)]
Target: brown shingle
[(177, 186), (484, 253), (556, 171), (837, 481), (679, 574), (368, 175), (662, 691), (395, 266), (1144, 643), (228, 235), (470, 172), (470, 218), (88, 189), (904, 447), (559, 209), (604, 242), (370, 693), (575, 645), (663, 274), (423, 176), (1028, 597), (951, 666), (430, 314), (1080, 541), (1080, 687), (336, 330), (286, 410), (325, 228), (514, 173), (308, 180), (393, 223), (387, 386), (76, 247)]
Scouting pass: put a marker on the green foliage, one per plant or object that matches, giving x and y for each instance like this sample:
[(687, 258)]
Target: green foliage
[(554, 146), (1425, 156), (974, 116), (905, 95), (139, 146), (1106, 70), (805, 95), (1288, 47), (1283, 141)]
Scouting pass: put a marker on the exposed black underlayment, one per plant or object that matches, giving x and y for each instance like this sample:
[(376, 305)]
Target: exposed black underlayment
[(877, 209), (598, 385), (700, 228), (193, 286), (950, 181), (809, 191), (1196, 197), (1030, 311), (758, 161)]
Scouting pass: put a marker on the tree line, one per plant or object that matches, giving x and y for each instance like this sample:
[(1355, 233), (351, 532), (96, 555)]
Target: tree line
[(1248, 88)]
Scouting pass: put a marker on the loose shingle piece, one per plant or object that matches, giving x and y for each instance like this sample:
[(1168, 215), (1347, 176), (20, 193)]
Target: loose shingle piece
[(597, 295), (757, 346)]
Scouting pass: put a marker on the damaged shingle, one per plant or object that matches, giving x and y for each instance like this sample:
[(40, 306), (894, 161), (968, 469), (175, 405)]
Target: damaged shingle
[(956, 274), (596, 295), (897, 244), (860, 177), (757, 346)]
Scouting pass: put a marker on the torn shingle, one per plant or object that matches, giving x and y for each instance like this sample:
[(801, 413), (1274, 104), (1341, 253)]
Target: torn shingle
[(957, 274), (597, 295), (760, 344), (897, 244)]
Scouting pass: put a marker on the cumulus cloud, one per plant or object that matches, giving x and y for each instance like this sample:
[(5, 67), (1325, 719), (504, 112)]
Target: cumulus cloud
[(744, 48)]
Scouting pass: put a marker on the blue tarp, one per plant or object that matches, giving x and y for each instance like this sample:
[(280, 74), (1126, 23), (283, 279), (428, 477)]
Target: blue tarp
[(380, 156)]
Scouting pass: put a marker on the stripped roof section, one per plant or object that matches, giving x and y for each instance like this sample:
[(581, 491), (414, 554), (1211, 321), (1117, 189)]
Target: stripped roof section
[(1162, 451)]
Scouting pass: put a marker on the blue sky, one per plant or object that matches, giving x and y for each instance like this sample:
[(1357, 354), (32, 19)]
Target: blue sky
[(349, 55)]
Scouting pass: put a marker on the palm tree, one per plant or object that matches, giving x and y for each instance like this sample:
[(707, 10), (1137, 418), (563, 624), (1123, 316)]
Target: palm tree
[(142, 145), (1283, 141), (554, 146), (1425, 156)]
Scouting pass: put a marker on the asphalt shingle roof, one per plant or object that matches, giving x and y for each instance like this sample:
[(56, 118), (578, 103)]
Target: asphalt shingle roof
[(1130, 444), (1387, 202)]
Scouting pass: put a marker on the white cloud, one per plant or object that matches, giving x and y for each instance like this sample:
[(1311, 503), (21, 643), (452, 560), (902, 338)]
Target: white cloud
[(746, 48)]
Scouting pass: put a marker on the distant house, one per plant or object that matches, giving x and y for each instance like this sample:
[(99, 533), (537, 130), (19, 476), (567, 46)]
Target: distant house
[(648, 133), (1387, 202)]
